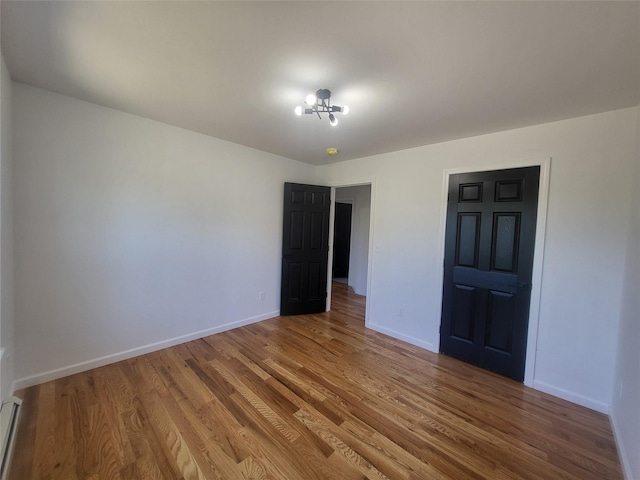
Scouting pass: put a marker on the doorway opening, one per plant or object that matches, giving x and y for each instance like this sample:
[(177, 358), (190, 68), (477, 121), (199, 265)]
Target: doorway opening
[(342, 240), (307, 246), (350, 233)]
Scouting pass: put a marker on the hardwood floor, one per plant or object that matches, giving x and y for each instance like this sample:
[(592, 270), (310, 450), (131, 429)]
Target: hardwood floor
[(297, 398)]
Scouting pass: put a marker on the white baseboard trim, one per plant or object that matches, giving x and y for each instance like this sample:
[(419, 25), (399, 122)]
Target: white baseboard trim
[(537, 385), (134, 352), (400, 336), (360, 292), (572, 397), (622, 453)]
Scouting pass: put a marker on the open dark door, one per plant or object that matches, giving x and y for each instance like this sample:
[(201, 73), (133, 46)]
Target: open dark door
[(341, 240), (305, 249), (489, 245)]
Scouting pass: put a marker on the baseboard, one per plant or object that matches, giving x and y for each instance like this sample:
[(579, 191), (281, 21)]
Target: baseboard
[(360, 292), (572, 397), (134, 352), (538, 385), (622, 453), (400, 336)]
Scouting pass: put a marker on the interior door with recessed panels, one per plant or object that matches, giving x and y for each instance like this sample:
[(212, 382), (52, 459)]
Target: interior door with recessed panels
[(305, 249), (489, 246)]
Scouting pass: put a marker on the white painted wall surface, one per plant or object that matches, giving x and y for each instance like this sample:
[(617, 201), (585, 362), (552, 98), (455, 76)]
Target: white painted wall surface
[(6, 238), (586, 232), (131, 234), (625, 411), (359, 254)]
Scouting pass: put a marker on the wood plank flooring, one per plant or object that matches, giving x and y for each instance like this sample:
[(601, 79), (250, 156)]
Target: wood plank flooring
[(308, 397)]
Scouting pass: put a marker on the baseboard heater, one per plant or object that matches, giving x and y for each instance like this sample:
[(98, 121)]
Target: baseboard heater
[(8, 427)]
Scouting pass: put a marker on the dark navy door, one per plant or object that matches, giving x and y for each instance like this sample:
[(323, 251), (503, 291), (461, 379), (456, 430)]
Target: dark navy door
[(489, 246), (305, 249)]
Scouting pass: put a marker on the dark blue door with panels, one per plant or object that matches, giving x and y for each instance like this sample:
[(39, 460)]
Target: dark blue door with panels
[(489, 246), (305, 249)]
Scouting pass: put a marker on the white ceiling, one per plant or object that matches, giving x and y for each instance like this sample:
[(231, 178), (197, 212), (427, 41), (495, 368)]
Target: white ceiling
[(413, 73)]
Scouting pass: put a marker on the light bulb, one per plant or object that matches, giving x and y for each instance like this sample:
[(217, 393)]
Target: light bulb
[(333, 120), (311, 99), (298, 110), (345, 110)]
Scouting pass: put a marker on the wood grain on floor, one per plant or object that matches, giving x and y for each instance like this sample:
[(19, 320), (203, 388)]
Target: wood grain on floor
[(307, 397)]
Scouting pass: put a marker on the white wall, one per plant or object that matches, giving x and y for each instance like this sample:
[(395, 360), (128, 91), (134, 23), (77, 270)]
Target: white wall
[(360, 197), (587, 225), (131, 234), (6, 238), (625, 412)]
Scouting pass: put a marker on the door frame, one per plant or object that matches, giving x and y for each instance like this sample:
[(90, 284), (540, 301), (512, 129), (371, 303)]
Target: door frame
[(332, 215), (538, 254)]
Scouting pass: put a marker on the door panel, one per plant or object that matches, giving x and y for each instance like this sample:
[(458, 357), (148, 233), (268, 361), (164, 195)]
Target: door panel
[(504, 247), (489, 243), (305, 249), (463, 312), (468, 239), (500, 317)]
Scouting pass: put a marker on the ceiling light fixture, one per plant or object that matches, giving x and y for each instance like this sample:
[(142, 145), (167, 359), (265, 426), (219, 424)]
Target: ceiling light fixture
[(320, 102)]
